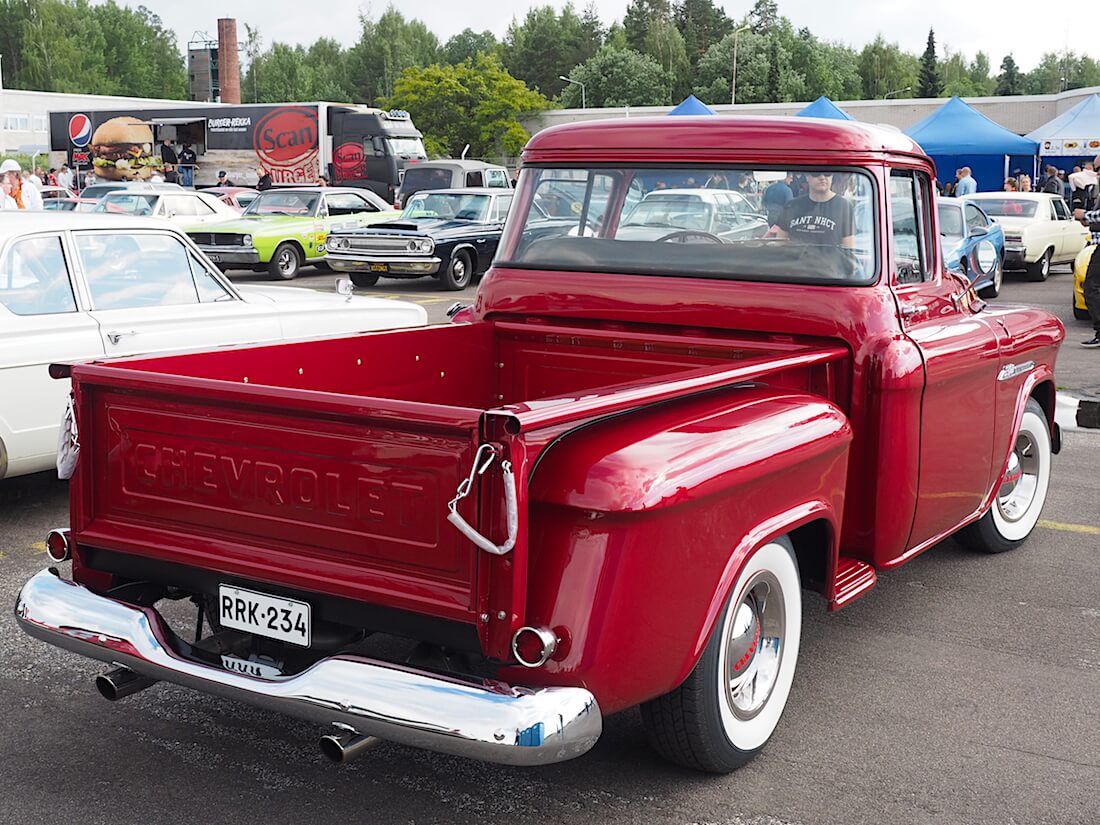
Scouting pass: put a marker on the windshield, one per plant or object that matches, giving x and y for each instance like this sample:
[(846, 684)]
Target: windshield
[(284, 203), (951, 221), (128, 204), (1008, 207), (409, 147), (803, 225), (448, 205)]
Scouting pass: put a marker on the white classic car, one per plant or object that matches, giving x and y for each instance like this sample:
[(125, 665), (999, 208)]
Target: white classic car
[(79, 286), (1039, 229), (179, 206)]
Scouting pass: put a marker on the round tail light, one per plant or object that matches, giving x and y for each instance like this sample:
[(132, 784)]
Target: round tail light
[(57, 545)]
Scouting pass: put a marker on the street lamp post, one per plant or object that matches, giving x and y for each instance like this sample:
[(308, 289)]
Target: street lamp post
[(897, 92), (584, 102), (733, 67)]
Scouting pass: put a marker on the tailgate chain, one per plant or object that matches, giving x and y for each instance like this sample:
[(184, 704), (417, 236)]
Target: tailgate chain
[(480, 465)]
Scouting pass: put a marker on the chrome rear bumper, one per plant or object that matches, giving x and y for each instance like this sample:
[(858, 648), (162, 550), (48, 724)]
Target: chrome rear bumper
[(481, 719)]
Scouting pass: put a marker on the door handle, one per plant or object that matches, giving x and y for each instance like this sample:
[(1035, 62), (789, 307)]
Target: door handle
[(912, 310), (117, 335)]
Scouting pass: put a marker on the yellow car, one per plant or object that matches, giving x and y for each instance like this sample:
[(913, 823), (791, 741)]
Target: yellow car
[(1080, 267)]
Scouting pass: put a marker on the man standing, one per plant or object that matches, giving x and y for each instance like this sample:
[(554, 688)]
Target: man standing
[(1091, 286), (223, 179), (171, 160), (966, 185), (263, 179), (26, 196), (1051, 184), (818, 217), (65, 177), (776, 197), (188, 159)]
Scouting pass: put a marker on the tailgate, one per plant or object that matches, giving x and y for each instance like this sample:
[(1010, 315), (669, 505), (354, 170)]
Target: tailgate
[(341, 496)]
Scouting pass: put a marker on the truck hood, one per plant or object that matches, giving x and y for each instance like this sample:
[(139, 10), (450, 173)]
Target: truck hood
[(307, 313)]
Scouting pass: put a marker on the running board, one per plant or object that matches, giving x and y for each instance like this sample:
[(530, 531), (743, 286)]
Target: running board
[(853, 579)]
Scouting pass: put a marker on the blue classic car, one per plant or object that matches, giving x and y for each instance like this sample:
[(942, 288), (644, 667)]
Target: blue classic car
[(973, 244)]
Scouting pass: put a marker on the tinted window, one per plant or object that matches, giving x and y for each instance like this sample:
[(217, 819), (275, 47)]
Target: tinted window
[(1061, 210), (34, 279), (136, 270), (474, 179), (419, 178)]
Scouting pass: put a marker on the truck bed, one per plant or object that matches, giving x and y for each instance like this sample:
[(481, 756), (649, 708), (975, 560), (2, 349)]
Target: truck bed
[(326, 466)]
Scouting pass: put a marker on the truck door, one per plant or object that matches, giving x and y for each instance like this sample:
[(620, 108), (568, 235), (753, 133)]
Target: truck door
[(961, 359)]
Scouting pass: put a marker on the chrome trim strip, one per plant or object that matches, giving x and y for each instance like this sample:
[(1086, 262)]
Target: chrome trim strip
[(1010, 371), (478, 719)]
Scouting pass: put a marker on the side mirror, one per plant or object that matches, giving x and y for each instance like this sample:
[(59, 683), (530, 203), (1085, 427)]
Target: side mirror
[(978, 231), (345, 287)]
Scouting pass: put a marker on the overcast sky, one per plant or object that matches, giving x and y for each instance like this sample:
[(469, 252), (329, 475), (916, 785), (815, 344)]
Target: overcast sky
[(966, 26)]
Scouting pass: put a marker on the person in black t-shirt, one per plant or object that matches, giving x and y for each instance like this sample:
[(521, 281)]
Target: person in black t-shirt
[(818, 217)]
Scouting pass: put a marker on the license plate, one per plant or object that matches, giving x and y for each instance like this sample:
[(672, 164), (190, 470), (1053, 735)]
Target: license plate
[(215, 258), (379, 267), (275, 617)]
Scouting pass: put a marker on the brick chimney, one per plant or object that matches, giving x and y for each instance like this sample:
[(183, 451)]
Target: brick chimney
[(229, 64)]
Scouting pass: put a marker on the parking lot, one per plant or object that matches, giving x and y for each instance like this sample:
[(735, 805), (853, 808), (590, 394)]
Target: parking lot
[(962, 689)]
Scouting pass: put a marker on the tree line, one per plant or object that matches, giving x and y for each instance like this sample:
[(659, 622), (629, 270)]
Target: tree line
[(473, 88)]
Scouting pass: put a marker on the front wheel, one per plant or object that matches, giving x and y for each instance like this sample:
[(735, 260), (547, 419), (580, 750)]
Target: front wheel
[(728, 707), (1040, 270), (994, 289), (286, 262), (1022, 491), (1080, 314), (459, 271), (364, 278)]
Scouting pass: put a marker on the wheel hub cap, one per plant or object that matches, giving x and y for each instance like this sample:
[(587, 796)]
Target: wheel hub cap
[(754, 646), (1020, 481)]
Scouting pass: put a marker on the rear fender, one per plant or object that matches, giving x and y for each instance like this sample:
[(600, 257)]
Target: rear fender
[(641, 524)]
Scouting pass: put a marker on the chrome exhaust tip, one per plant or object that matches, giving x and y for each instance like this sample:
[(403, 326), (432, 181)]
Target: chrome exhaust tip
[(121, 682), (345, 746)]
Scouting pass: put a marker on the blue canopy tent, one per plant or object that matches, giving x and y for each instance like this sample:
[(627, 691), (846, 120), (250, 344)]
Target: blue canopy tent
[(691, 105), (823, 107), (1071, 138), (956, 135)]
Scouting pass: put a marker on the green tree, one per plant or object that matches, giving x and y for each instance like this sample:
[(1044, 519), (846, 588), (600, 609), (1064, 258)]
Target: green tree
[(640, 15), (544, 47), (476, 102), (824, 68), (617, 77), (884, 68), (764, 16), (665, 45), (1049, 77), (702, 24), (980, 80), (1009, 81), (956, 76), (771, 85), (386, 47), (467, 44), (929, 83), (593, 33)]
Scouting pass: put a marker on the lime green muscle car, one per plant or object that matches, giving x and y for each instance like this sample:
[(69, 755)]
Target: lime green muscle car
[(283, 229)]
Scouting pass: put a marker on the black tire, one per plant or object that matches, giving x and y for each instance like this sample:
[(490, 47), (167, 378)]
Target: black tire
[(322, 266), (1081, 314), (285, 262), (994, 289), (459, 272), (1016, 508), (364, 278), (709, 724), (1040, 270)]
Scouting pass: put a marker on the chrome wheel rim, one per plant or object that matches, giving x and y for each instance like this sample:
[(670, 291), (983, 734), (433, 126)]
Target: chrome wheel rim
[(286, 262), (458, 269), (1020, 483), (755, 646), (998, 276), (1046, 264)]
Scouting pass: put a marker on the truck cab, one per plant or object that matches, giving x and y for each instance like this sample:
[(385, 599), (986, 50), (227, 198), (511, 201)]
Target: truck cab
[(372, 148), (608, 490)]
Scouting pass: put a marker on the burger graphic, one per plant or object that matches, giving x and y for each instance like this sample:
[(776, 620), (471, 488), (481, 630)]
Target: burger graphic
[(122, 150)]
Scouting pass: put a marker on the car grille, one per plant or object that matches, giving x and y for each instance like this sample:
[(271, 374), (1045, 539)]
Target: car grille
[(1012, 237), (216, 238), (381, 243)]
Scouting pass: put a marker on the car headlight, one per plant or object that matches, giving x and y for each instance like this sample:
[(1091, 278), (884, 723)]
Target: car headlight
[(246, 240), (424, 245), (338, 243)]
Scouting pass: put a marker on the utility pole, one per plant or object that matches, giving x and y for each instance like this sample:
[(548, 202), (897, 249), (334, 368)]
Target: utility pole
[(733, 68)]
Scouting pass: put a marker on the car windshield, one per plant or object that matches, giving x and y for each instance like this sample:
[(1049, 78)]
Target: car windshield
[(410, 147), (951, 221), (448, 205), (284, 203), (1009, 207), (805, 225), (127, 203)]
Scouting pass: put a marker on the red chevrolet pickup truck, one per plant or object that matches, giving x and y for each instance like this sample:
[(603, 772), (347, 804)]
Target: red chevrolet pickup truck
[(684, 396)]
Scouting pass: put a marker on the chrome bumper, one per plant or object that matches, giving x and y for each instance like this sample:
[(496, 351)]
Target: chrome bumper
[(344, 261), (479, 719), (231, 255)]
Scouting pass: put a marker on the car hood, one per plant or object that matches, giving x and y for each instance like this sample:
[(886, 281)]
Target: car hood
[(307, 313), (435, 227), (256, 225)]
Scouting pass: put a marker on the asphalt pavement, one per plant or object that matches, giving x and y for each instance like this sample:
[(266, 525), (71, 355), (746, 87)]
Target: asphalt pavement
[(963, 689)]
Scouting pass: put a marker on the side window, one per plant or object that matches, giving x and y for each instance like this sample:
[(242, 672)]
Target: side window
[(907, 226), (500, 208), (207, 284), (126, 271), (974, 218), (1053, 211), (1061, 211), (34, 278), (202, 208), (496, 179), (474, 179), (182, 205)]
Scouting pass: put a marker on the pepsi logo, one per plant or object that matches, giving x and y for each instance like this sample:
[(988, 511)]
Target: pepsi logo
[(80, 130)]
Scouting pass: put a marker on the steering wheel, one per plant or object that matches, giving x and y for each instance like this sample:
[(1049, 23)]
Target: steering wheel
[(686, 236)]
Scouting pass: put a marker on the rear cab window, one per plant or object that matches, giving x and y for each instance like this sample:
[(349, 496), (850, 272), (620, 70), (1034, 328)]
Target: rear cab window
[(719, 222)]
